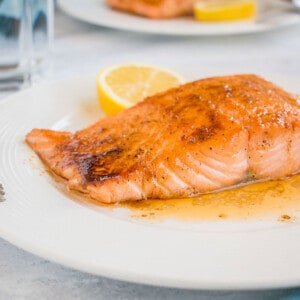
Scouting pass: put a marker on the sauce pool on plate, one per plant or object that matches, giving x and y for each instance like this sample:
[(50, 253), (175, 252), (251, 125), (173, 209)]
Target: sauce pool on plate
[(279, 199)]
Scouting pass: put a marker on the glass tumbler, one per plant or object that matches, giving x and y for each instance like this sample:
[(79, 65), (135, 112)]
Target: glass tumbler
[(26, 32)]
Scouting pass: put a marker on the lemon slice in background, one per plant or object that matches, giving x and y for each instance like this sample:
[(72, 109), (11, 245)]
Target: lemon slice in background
[(224, 10), (122, 86)]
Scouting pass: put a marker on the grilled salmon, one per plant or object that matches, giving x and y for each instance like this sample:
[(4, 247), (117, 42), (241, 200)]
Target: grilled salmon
[(155, 9), (201, 137)]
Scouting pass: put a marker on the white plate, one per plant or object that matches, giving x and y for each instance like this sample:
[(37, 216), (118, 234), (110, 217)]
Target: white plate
[(40, 218), (96, 12)]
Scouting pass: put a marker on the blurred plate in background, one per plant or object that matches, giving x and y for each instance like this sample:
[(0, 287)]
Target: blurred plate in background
[(272, 16)]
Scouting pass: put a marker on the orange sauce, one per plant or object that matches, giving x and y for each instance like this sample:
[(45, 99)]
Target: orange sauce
[(279, 199)]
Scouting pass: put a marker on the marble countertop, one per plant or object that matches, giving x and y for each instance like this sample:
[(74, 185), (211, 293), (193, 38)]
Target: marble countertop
[(25, 276)]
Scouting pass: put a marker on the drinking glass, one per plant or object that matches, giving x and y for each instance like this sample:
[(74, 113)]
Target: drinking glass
[(26, 32)]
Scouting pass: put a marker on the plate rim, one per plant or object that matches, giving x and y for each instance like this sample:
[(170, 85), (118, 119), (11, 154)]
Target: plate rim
[(149, 281)]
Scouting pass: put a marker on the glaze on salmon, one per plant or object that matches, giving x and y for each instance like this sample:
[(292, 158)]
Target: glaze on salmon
[(155, 9), (201, 137)]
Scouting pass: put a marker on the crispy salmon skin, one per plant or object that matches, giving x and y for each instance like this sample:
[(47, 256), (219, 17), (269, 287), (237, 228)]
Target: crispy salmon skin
[(154, 9), (200, 137)]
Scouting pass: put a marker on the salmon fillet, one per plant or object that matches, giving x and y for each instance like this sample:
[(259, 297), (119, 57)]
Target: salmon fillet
[(200, 137), (155, 9)]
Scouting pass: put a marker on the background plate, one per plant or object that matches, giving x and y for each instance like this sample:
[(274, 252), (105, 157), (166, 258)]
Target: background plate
[(96, 12)]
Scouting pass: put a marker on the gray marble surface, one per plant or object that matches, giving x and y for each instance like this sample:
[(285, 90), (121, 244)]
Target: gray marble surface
[(80, 48)]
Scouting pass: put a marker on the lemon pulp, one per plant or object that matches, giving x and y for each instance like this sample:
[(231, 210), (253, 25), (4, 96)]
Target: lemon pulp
[(122, 86), (220, 10)]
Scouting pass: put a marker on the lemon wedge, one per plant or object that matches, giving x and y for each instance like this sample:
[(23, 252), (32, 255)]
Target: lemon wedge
[(224, 10), (121, 86)]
